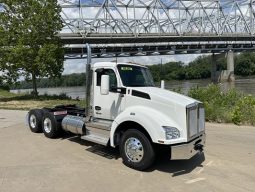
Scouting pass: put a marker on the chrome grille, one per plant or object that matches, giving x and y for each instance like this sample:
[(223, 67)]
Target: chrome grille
[(201, 119), (192, 121), (195, 120)]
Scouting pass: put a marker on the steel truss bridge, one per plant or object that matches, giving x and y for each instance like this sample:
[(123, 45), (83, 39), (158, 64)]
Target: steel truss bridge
[(151, 27)]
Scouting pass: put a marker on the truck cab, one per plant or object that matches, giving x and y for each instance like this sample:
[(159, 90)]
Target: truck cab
[(125, 109)]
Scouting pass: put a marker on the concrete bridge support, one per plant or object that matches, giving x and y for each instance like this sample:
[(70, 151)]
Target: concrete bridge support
[(230, 66), (214, 75), (224, 75)]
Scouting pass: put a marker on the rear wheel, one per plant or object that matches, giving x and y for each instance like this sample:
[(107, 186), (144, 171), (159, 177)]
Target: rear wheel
[(51, 128), (136, 150), (35, 120)]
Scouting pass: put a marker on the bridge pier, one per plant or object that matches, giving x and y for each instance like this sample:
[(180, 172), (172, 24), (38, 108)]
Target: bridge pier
[(230, 66), (224, 75), (214, 76)]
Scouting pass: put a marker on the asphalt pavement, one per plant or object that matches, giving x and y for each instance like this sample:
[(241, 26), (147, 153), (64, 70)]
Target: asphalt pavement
[(30, 162)]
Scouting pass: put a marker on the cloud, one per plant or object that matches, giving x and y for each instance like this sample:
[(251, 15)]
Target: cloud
[(74, 66)]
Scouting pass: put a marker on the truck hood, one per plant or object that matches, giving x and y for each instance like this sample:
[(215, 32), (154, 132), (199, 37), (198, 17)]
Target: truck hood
[(166, 96)]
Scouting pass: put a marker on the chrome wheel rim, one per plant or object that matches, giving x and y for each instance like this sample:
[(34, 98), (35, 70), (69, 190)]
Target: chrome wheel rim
[(134, 149), (32, 121), (47, 125)]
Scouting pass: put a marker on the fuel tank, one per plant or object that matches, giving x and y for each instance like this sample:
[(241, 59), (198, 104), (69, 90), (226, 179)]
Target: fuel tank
[(74, 124)]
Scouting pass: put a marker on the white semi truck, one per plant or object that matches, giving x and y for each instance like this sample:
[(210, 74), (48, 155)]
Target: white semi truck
[(124, 109)]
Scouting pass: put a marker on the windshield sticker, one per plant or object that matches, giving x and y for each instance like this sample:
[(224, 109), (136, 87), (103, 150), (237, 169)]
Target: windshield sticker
[(126, 69)]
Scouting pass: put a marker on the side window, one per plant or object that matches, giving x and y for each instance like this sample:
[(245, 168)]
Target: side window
[(112, 75)]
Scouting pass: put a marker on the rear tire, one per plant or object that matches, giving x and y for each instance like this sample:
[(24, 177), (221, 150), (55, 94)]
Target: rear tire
[(136, 150), (51, 128), (35, 117)]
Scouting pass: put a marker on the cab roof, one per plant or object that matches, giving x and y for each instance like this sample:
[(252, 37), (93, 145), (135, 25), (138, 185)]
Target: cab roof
[(114, 64)]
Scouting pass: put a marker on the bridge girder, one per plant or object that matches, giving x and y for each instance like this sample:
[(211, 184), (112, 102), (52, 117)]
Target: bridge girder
[(141, 27), (162, 17), (133, 50)]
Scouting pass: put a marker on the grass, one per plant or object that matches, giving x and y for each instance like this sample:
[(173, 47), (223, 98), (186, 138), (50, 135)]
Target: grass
[(26, 102), (6, 94), (230, 106)]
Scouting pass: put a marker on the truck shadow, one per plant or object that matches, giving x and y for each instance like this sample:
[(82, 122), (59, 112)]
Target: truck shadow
[(178, 167), (104, 151), (162, 163)]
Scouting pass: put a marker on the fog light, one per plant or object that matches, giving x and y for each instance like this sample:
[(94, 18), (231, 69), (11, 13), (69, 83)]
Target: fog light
[(171, 132)]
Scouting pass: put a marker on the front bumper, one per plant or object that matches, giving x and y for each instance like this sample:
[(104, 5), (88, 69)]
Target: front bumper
[(188, 150)]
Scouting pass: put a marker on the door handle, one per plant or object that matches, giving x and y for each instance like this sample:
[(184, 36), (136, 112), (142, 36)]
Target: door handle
[(98, 108)]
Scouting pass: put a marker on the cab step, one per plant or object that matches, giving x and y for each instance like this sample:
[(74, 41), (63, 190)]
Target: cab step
[(96, 138)]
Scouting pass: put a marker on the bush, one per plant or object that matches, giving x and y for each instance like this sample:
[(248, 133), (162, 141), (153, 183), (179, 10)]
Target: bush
[(244, 111), (5, 87), (230, 106)]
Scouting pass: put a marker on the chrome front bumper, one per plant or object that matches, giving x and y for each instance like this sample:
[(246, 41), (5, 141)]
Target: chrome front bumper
[(187, 150)]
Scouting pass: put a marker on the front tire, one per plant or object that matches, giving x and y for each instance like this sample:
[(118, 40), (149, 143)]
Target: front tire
[(136, 150), (51, 128)]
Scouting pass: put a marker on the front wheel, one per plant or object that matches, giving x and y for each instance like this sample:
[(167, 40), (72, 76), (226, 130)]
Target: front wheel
[(136, 150)]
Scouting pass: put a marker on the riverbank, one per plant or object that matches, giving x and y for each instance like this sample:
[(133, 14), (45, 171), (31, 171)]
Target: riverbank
[(26, 102)]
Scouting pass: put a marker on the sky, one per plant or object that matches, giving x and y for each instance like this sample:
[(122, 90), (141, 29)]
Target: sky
[(78, 65)]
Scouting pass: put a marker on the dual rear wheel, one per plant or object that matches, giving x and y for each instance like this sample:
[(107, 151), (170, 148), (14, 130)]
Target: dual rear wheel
[(40, 120)]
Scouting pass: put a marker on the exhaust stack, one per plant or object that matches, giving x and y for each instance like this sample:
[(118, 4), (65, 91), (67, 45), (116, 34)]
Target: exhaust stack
[(88, 82)]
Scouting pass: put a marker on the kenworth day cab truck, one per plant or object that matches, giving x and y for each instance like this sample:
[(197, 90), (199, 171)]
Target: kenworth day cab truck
[(124, 109)]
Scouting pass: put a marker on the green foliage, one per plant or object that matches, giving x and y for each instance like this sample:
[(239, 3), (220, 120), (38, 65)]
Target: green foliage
[(197, 69), (28, 42), (177, 90), (6, 94), (165, 71), (245, 64), (211, 97), (244, 111), (3, 85), (230, 106), (200, 68)]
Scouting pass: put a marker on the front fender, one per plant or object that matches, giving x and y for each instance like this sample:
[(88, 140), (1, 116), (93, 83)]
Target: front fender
[(150, 119)]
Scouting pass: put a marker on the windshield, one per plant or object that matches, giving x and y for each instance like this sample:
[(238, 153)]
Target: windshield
[(135, 76)]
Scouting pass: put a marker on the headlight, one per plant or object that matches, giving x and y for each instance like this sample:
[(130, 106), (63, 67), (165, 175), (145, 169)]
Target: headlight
[(171, 132)]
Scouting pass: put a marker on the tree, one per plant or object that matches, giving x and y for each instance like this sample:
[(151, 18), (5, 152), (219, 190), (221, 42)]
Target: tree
[(245, 64), (200, 68), (29, 45)]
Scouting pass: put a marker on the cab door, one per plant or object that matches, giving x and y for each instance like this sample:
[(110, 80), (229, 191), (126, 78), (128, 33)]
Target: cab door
[(107, 106)]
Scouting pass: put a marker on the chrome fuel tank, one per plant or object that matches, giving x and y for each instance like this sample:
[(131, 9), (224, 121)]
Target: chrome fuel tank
[(73, 124)]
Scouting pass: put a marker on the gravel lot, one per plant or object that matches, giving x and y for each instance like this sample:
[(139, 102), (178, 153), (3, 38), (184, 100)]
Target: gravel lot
[(31, 162)]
